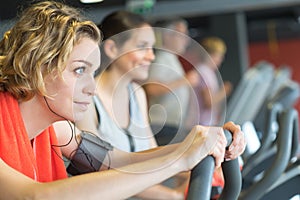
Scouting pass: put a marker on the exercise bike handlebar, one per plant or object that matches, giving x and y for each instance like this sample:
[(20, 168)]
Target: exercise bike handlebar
[(201, 178)]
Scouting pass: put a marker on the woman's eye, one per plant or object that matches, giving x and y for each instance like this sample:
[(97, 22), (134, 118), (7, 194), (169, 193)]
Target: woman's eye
[(142, 46), (145, 47), (79, 70)]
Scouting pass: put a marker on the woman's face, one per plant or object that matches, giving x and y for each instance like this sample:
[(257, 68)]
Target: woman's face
[(178, 39), (136, 54), (72, 93), (217, 58)]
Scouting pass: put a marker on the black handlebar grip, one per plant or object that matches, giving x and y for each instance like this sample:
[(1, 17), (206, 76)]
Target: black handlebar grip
[(201, 177), (228, 136)]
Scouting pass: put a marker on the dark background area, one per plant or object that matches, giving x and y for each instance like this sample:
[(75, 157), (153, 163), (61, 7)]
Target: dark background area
[(284, 13)]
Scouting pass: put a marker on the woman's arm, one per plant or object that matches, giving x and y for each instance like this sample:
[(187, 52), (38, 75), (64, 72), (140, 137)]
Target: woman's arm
[(119, 158), (98, 185), (211, 99), (155, 88), (161, 192), (143, 105), (127, 180)]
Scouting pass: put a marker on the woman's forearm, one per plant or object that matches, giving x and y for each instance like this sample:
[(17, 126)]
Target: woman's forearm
[(127, 181), (161, 192), (134, 178), (118, 158), (157, 89)]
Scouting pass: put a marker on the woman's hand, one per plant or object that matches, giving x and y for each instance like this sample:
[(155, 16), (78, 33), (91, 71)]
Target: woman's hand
[(238, 144), (218, 151), (200, 142)]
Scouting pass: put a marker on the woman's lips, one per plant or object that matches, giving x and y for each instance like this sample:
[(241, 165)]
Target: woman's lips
[(82, 105)]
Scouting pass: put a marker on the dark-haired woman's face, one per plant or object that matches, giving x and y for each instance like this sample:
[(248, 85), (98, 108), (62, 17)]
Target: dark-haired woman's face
[(136, 54)]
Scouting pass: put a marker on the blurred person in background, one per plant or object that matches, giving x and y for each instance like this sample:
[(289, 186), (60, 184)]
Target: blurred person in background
[(168, 87)]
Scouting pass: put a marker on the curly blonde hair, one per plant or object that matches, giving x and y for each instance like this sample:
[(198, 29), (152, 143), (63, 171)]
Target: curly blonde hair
[(39, 44)]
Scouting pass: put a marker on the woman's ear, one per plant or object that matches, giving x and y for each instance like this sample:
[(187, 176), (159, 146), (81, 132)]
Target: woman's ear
[(110, 49)]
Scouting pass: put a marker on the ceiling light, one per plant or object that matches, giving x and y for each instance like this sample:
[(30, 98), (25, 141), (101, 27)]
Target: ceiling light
[(90, 1)]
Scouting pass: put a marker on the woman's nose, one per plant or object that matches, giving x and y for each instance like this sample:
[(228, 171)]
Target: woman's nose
[(90, 88), (150, 54)]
